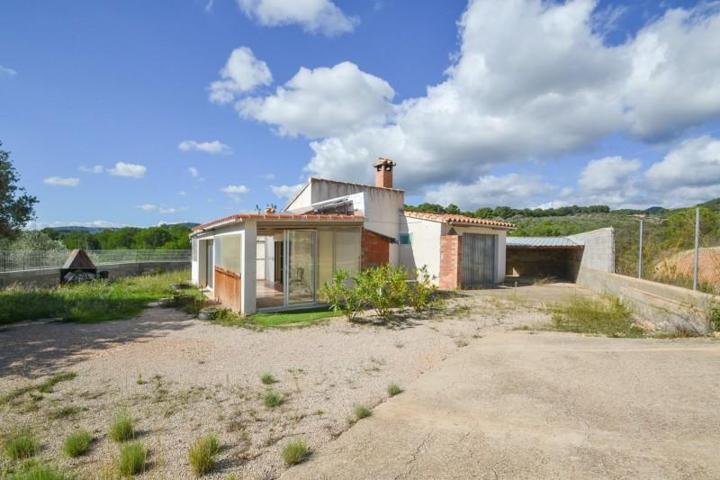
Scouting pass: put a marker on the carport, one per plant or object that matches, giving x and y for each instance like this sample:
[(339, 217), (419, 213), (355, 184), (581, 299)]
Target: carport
[(530, 258)]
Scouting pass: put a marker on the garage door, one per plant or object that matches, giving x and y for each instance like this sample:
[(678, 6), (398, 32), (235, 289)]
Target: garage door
[(478, 260)]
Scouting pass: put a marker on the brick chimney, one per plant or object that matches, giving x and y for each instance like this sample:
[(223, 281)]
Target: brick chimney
[(384, 172)]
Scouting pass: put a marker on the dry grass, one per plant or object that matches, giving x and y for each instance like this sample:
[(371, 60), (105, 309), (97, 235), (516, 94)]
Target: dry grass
[(295, 452), (202, 454)]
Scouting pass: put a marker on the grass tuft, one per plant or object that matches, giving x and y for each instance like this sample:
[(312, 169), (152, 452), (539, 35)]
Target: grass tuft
[(394, 389), (295, 452), (20, 445), (273, 399), (605, 316), (133, 458), (122, 427), (202, 454), (77, 443), (267, 378), (36, 471), (361, 411)]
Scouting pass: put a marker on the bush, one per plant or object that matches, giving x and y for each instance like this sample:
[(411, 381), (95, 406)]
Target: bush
[(605, 316), (342, 295), (394, 389), (715, 318), (267, 378), (273, 399), (202, 454), (122, 427), (40, 472), (20, 445), (361, 411), (77, 443), (295, 452), (383, 288), (422, 293), (133, 457)]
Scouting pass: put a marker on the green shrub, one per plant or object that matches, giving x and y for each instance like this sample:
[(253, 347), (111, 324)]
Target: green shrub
[(133, 457), (715, 318), (122, 427), (361, 411), (422, 294), (40, 472), (47, 385), (267, 378), (202, 454), (20, 445), (383, 288), (295, 452), (394, 389), (604, 316), (77, 443), (342, 295), (273, 399)]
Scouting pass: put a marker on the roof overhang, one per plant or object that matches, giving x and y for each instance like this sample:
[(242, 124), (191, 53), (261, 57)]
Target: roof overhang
[(277, 220)]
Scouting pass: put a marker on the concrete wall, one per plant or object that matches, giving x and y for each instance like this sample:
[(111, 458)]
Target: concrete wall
[(665, 307), (599, 249), (424, 248), (50, 277)]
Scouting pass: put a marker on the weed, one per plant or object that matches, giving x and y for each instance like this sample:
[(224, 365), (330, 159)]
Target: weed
[(77, 443), (267, 379), (361, 411), (140, 380), (122, 427), (36, 390), (133, 458), (461, 342), (273, 399), (295, 452), (605, 316), (36, 471), (394, 389), (20, 445), (202, 454), (47, 385), (65, 412)]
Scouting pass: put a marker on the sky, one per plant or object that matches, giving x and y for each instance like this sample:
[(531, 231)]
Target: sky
[(138, 113)]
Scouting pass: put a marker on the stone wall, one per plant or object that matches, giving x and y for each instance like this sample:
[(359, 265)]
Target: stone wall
[(50, 277)]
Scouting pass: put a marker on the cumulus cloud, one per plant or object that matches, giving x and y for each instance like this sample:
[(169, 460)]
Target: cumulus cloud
[(215, 147), (694, 163), (193, 172), (62, 181), (95, 169), (151, 207), (7, 72), (490, 190), (315, 16), (242, 73), (285, 191), (235, 191), (122, 169), (323, 102), (532, 79), (608, 173)]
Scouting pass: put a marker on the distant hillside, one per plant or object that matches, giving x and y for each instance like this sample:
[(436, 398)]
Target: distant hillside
[(172, 237)]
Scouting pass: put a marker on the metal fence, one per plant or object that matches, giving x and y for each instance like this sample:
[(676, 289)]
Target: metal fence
[(19, 260)]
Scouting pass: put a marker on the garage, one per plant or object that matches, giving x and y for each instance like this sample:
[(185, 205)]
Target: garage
[(529, 259)]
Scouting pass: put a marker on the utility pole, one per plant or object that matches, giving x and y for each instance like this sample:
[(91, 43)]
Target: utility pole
[(696, 269), (640, 250)]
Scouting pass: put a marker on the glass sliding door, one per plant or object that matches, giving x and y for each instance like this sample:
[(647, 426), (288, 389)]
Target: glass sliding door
[(300, 272)]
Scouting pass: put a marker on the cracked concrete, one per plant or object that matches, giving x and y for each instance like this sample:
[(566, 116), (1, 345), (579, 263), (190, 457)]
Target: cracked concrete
[(528, 406)]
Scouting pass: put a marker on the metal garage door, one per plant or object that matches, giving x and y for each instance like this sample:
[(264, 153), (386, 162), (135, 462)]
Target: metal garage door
[(478, 260)]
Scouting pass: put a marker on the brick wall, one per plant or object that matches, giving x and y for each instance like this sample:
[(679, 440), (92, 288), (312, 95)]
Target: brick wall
[(450, 261), (375, 249)]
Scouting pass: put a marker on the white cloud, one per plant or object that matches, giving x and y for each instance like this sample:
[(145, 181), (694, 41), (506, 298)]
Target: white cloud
[(215, 147), (7, 72), (122, 169), (234, 191), (532, 79), (323, 102), (193, 172), (241, 74), (151, 207), (316, 16), (95, 169), (62, 181), (268, 176), (694, 163), (609, 173), (285, 191), (490, 190)]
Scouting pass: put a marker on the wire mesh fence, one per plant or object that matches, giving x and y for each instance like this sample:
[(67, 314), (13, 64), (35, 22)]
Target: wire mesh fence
[(19, 260), (663, 249)]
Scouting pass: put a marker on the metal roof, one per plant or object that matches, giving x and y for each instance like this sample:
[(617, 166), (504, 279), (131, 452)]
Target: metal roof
[(543, 242)]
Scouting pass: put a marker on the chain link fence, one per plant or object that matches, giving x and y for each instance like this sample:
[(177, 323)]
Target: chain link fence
[(663, 249), (19, 260)]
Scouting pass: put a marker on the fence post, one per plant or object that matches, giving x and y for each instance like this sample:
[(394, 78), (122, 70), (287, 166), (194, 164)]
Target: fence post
[(640, 250), (696, 265)]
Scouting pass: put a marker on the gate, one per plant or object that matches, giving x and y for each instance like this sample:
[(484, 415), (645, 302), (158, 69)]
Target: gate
[(478, 260)]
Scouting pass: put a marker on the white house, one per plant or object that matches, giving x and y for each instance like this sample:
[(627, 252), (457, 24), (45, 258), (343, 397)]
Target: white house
[(271, 261)]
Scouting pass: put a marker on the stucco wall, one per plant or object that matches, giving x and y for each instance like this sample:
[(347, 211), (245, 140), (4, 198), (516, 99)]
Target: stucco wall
[(599, 249), (424, 249)]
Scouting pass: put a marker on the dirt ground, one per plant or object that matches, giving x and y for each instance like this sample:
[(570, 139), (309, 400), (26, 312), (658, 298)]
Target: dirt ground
[(181, 377)]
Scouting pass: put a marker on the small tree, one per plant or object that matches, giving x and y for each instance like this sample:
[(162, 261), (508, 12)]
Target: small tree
[(16, 207), (422, 294), (384, 288), (342, 295)]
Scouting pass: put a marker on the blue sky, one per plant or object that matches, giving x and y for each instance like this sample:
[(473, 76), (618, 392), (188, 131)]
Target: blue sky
[(519, 102)]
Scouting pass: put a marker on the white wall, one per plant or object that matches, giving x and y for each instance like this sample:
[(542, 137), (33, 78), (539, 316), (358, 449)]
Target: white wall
[(424, 248), (195, 262), (248, 292)]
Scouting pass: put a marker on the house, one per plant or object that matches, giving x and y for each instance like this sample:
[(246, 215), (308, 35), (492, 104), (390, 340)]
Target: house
[(274, 261)]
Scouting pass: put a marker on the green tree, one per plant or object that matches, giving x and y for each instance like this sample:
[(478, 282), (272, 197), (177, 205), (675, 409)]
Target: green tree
[(16, 207)]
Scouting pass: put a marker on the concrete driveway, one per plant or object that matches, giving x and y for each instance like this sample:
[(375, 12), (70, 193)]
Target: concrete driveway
[(519, 405)]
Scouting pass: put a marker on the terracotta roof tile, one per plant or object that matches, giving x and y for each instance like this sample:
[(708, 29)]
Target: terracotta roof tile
[(458, 219), (293, 217)]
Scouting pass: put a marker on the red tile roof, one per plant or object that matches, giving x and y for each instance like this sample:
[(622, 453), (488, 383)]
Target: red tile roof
[(458, 219), (292, 217)]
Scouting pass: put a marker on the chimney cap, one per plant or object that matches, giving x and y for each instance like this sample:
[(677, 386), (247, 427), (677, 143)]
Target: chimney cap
[(383, 162)]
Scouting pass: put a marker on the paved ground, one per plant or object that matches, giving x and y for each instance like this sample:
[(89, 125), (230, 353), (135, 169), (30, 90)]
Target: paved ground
[(520, 405)]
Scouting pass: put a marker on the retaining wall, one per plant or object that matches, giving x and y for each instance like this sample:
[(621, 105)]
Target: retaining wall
[(50, 277)]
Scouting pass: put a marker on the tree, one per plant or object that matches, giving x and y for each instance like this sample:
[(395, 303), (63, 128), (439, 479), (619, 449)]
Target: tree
[(16, 207)]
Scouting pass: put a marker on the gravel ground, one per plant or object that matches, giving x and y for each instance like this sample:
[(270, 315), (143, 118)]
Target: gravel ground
[(181, 377)]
